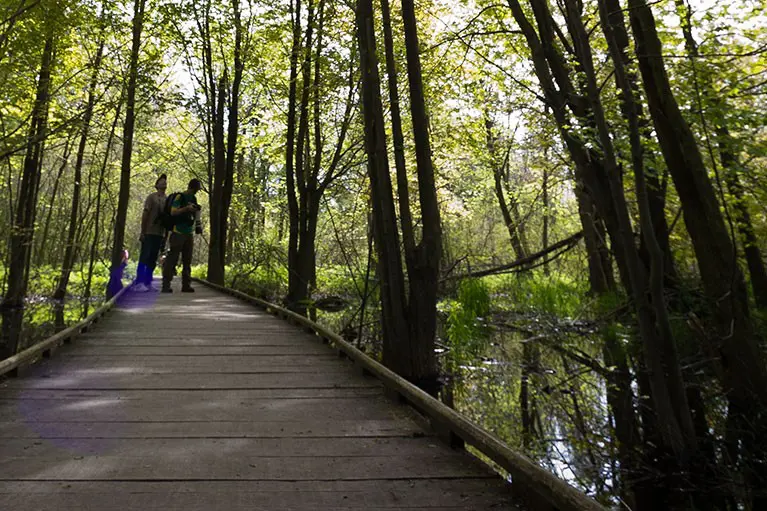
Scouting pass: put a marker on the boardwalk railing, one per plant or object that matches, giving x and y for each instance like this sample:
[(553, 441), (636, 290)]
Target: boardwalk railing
[(45, 348), (540, 488)]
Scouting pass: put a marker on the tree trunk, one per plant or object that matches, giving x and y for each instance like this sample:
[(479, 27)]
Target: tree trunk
[(297, 282), (290, 145), (70, 252), (22, 234), (215, 255), (424, 281), (601, 277), (97, 221), (115, 270), (394, 323), (224, 156), (398, 139)]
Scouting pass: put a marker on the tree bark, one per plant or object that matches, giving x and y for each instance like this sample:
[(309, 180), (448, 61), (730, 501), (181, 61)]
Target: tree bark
[(297, 283)]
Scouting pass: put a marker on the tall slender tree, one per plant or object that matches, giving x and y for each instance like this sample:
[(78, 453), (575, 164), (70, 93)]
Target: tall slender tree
[(118, 239), (22, 233), (70, 252)]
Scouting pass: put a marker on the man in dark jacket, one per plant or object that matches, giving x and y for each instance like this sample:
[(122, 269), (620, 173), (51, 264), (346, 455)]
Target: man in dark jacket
[(186, 222)]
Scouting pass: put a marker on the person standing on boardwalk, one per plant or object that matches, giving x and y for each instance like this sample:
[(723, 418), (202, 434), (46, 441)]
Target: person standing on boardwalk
[(186, 222), (152, 235)]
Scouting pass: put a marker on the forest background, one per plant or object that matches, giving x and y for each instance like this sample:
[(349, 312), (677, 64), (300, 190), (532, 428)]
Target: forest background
[(551, 214)]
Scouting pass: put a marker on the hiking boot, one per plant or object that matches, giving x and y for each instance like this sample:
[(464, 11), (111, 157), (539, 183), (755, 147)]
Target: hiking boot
[(167, 290), (140, 288), (187, 289)]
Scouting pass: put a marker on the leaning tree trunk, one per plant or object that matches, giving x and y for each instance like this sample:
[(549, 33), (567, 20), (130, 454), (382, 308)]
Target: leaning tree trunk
[(659, 347), (600, 178), (22, 235), (741, 362), (617, 40), (118, 240)]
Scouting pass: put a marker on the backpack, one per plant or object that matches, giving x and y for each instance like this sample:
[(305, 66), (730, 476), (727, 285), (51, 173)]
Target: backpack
[(165, 219)]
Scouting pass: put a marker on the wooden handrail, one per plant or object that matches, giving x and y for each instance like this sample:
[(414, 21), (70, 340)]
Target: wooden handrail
[(39, 349), (541, 488)]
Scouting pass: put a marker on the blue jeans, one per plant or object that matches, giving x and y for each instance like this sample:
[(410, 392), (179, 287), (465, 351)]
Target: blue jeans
[(150, 251)]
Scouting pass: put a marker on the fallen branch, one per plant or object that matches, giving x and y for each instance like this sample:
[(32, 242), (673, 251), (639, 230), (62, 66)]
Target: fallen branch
[(565, 245)]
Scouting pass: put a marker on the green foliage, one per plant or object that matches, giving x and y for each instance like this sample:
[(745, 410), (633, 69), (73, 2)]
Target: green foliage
[(557, 294), (467, 328)]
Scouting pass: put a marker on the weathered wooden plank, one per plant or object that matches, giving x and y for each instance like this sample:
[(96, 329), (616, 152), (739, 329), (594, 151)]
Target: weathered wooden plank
[(70, 431), (190, 408), (247, 338), (13, 395), (201, 450), (307, 350), (225, 466), (194, 381), (429, 494), (179, 365), (173, 396)]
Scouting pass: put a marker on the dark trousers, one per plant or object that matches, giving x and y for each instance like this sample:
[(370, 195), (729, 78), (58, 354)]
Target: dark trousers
[(180, 244), (147, 262)]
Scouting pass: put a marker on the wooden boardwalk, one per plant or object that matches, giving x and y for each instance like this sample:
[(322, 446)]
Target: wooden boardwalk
[(201, 402)]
